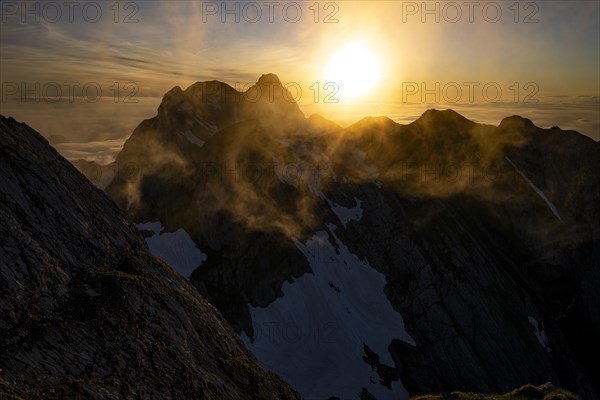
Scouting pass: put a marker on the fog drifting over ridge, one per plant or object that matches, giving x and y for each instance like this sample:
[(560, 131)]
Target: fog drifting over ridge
[(97, 131)]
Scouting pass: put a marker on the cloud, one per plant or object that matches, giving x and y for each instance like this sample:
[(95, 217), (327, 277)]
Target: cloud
[(103, 152), (81, 121)]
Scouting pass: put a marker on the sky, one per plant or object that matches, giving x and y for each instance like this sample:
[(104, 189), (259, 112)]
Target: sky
[(90, 71)]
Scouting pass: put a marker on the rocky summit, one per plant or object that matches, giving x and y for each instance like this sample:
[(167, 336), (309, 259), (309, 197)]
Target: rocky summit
[(378, 260), (86, 311)]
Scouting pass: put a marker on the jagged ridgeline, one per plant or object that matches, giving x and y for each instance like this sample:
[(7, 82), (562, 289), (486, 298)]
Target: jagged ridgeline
[(373, 261), (86, 311), (379, 258)]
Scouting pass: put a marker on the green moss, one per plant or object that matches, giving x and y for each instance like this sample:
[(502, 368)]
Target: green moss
[(243, 363), (527, 392), (132, 262), (125, 276), (561, 395)]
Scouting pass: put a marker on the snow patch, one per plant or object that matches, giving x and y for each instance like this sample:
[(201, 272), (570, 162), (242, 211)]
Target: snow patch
[(176, 248), (155, 227), (537, 190), (208, 126), (344, 214), (540, 333), (314, 335), (193, 139)]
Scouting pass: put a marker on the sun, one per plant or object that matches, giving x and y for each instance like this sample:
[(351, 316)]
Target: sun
[(355, 69)]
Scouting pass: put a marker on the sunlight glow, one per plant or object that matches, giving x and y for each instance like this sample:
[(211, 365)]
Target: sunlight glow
[(355, 69)]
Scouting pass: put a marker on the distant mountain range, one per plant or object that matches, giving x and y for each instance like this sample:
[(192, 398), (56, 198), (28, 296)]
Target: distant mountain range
[(438, 255), (374, 261)]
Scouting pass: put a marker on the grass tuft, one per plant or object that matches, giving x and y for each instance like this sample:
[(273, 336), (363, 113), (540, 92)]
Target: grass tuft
[(527, 392)]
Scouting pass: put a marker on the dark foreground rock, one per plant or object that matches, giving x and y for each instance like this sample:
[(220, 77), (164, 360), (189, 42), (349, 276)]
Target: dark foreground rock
[(86, 311)]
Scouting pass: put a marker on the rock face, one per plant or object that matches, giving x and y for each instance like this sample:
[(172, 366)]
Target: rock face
[(86, 311), (483, 241)]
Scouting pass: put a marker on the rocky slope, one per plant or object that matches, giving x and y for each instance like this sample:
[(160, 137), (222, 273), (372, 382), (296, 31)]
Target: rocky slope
[(381, 259), (86, 311), (100, 175)]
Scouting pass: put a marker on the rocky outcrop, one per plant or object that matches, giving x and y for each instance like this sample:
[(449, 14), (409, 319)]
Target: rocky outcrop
[(86, 311)]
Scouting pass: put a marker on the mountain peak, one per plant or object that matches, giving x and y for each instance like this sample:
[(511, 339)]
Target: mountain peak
[(371, 120), (318, 123), (269, 78), (173, 92), (515, 121), (209, 87), (271, 103), (444, 116), (432, 121)]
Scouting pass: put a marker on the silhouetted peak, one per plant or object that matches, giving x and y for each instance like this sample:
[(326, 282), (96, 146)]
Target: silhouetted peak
[(516, 121), (318, 123), (173, 92), (209, 87), (271, 103), (375, 121), (317, 118), (269, 78), (441, 117), (170, 97), (371, 124)]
